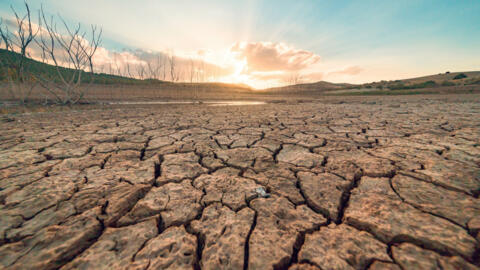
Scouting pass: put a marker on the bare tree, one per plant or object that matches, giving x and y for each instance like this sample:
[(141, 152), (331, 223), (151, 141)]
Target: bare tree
[(17, 69), (4, 35), (128, 71), (164, 67), (72, 56), (153, 68), (191, 70), (174, 72), (202, 72), (150, 70), (141, 71), (294, 79), (117, 70)]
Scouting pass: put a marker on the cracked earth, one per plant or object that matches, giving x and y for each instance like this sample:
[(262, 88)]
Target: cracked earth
[(391, 184)]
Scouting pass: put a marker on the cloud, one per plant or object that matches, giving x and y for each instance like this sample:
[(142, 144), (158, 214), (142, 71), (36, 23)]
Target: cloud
[(270, 56), (353, 70)]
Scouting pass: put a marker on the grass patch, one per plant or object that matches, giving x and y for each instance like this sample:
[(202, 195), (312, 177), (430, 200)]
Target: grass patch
[(403, 92), (401, 86), (383, 93)]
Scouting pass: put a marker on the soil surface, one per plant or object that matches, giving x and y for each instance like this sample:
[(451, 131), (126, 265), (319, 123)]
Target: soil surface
[(384, 183)]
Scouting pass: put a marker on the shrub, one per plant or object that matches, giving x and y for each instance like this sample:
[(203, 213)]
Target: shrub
[(460, 76), (397, 86), (401, 86), (427, 84)]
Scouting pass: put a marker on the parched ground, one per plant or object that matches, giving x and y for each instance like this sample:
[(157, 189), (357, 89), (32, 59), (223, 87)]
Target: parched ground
[(390, 183)]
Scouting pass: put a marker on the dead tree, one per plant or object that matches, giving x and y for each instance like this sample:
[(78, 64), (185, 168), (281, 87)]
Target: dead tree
[(193, 76), (128, 71), (17, 68), (117, 70), (154, 66), (191, 70), (203, 73), (141, 71), (174, 75), (294, 79), (152, 69), (159, 66), (164, 66), (72, 56)]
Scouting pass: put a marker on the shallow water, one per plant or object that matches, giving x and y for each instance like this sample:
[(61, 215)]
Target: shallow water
[(234, 103), (209, 103)]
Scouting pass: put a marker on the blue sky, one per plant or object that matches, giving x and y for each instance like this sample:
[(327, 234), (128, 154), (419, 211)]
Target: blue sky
[(378, 39)]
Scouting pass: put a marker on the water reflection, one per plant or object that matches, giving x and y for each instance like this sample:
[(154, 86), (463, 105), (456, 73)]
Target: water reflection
[(209, 103), (234, 103)]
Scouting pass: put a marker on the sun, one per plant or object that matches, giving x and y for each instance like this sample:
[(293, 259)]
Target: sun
[(238, 70), (238, 76)]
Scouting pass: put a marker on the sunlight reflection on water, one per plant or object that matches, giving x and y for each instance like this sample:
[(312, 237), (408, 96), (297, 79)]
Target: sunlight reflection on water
[(209, 103)]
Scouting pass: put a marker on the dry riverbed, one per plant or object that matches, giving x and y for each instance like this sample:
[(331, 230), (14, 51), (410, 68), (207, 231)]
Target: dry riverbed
[(379, 183)]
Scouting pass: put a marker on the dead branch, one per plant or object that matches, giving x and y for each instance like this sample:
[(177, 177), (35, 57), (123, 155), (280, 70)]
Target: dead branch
[(72, 56)]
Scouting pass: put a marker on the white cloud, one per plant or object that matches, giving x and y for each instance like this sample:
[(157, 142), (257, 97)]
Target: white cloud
[(269, 56)]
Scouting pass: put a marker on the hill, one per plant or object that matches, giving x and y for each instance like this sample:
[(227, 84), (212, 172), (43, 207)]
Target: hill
[(447, 76), (446, 79), (442, 80), (49, 71), (320, 86)]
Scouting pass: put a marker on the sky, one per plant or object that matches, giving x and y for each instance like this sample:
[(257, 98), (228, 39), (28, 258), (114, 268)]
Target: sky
[(272, 43)]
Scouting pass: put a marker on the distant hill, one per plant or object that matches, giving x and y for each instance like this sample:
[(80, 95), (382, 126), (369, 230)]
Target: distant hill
[(448, 76), (431, 81), (447, 79), (309, 87)]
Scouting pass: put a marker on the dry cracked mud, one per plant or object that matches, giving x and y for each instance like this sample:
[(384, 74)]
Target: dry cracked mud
[(387, 184)]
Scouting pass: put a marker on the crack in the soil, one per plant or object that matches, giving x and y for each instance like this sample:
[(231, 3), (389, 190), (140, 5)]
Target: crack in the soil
[(345, 197), (281, 127), (246, 253)]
